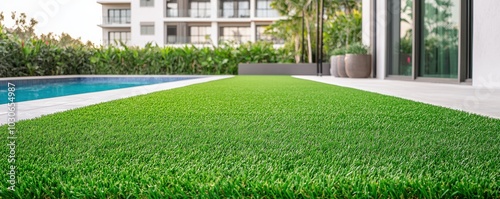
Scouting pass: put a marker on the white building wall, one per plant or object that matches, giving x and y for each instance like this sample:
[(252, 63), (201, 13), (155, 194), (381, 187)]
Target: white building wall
[(214, 35), (147, 15), (486, 48), (106, 7), (381, 39), (366, 23), (106, 30), (156, 15)]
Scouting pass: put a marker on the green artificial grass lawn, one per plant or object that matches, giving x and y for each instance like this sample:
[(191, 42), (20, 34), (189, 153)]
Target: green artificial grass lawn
[(275, 137)]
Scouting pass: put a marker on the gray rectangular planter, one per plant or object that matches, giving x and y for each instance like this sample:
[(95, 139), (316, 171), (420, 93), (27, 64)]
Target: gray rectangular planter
[(281, 69)]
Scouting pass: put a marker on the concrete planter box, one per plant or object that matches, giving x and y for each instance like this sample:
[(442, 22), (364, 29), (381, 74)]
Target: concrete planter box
[(341, 66), (281, 69), (358, 66), (333, 66)]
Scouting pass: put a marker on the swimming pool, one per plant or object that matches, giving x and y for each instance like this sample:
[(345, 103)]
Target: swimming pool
[(33, 89)]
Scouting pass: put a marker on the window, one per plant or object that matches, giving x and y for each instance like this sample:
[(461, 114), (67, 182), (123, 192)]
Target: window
[(172, 35), (235, 34), (148, 29), (147, 3), (199, 34), (243, 9), (264, 9), (262, 36), (116, 37), (227, 9), (118, 16), (200, 8), (172, 8), (235, 9)]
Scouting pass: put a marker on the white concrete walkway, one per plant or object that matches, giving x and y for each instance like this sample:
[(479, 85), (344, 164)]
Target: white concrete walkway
[(38, 108), (483, 101)]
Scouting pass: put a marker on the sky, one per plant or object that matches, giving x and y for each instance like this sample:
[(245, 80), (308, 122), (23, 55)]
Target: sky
[(79, 18)]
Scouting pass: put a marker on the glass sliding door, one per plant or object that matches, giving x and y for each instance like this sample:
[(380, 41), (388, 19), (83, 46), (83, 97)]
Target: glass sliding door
[(402, 38), (440, 23)]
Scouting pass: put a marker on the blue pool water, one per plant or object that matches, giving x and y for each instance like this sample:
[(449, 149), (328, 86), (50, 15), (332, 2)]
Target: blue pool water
[(33, 89)]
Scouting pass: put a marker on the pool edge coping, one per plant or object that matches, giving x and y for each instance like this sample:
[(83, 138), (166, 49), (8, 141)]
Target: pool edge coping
[(38, 108)]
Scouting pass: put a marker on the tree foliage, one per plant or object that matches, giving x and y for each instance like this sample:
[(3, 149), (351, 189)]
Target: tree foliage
[(23, 53), (342, 24)]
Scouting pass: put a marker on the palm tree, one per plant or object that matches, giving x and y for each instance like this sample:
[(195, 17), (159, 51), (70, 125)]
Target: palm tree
[(296, 10), (288, 28)]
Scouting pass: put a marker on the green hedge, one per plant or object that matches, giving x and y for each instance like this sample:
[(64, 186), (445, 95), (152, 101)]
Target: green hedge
[(37, 57)]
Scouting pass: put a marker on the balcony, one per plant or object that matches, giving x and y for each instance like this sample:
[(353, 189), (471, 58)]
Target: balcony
[(231, 13), (237, 39), (192, 13), (114, 1), (116, 21), (271, 13), (107, 42), (271, 40), (174, 39)]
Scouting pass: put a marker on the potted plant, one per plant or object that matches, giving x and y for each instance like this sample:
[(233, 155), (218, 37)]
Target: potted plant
[(337, 54), (341, 63), (357, 61)]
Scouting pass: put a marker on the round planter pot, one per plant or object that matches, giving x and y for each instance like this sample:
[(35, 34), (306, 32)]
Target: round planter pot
[(341, 66), (333, 66), (358, 66)]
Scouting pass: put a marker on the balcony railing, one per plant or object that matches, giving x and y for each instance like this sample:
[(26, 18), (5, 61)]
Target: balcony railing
[(200, 13), (266, 13), (231, 13), (115, 20), (173, 39), (193, 13), (116, 42), (271, 40), (235, 39)]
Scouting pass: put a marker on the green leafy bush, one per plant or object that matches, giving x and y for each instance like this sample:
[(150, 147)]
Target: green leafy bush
[(339, 51), (357, 48), (22, 53), (37, 57), (342, 30)]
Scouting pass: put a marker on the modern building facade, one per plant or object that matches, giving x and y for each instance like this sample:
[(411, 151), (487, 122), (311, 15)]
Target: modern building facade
[(453, 41), (186, 22)]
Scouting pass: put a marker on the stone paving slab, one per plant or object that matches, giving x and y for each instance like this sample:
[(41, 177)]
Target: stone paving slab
[(479, 100)]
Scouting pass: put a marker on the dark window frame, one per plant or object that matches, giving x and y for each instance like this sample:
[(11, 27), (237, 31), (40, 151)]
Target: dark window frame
[(112, 18), (242, 37), (269, 11), (111, 41), (147, 3), (237, 12), (198, 35), (465, 64)]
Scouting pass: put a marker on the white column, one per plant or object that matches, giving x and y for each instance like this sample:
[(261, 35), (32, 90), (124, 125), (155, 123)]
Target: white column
[(366, 22), (381, 35), (486, 71), (253, 31), (157, 17), (214, 8), (252, 8), (214, 36)]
